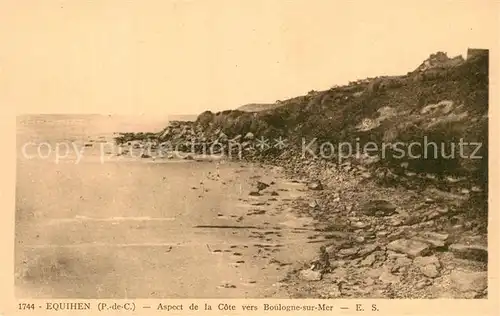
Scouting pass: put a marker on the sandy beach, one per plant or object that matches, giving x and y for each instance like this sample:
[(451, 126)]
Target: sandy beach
[(140, 229)]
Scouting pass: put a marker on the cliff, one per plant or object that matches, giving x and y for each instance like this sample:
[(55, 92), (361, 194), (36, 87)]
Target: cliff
[(443, 101)]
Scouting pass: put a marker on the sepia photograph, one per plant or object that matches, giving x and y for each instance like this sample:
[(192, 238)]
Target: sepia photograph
[(250, 149)]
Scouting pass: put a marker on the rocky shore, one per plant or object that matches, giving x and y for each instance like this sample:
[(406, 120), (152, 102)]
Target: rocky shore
[(414, 228)]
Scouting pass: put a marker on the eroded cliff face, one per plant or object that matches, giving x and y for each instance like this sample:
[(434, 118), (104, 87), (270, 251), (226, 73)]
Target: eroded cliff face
[(439, 60), (444, 101)]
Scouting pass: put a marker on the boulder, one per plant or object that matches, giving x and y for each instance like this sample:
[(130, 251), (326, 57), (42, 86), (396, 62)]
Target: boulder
[(368, 249), (435, 236), (412, 248), (310, 275), (434, 243), (468, 281), (360, 225), (249, 136), (262, 185), (425, 261), (315, 185), (378, 208), (387, 277), (403, 261), (430, 271), (471, 252), (368, 261), (347, 253)]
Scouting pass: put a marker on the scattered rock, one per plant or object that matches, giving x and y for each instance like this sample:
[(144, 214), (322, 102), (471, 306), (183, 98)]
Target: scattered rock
[(315, 185), (359, 239), (466, 281), (334, 291), (395, 255), (378, 208), (387, 277), (476, 189), (374, 273), (435, 236), (347, 253), (434, 243), (310, 275), (425, 261), (368, 261), (403, 261), (411, 220), (323, 262), (340, 274), (249, 136), (256, 212), (429, 200), (254, 193), (262, 185), (471, 252), (442, 210), (314, 204), (360, 225), (430, 271), (337, 264), (381, 234), (396, 222), (228, 286), (432, 215), (368, 249), (412, 248)]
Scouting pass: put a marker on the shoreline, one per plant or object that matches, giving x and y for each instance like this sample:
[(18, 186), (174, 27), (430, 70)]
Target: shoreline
[(245, 232), (396, 241)]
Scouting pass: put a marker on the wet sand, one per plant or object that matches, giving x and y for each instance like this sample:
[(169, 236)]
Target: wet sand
[(138, 229)]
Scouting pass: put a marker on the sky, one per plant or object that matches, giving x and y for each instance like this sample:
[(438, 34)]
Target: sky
[(161, 57)]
